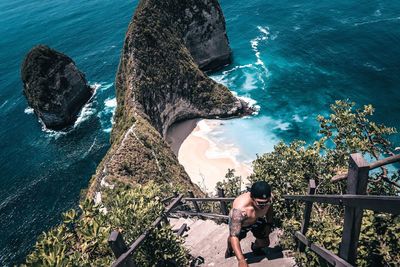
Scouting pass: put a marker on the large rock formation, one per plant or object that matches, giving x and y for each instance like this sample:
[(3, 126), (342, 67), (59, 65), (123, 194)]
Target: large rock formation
[(159, 82), (54, 86), (205, 35)]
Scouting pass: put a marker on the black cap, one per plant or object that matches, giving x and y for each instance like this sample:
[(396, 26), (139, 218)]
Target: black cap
[(260, 189)]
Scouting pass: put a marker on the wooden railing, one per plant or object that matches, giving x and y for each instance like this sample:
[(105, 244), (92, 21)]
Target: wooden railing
[(117, 243), (354, 202), (124, 254)]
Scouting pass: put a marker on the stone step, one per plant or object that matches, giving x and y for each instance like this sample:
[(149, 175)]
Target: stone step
[(257, 262), (207, 241), (199, 232)]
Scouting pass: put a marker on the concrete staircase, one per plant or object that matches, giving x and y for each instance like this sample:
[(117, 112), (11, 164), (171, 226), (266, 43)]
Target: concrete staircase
[(206, 241)]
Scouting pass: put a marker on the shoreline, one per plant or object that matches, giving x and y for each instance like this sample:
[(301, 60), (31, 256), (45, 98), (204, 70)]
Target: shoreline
[(205, 161)]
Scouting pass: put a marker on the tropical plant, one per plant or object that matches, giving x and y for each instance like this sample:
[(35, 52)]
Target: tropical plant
[(81, 239)]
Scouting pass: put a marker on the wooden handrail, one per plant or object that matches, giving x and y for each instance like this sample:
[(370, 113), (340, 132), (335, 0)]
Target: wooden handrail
[(372, 166), (202, 214), (386, 161), (389, 204), (143, 236), (209, 199), (327, 255)]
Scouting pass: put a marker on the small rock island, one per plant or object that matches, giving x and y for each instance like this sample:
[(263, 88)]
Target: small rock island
[(54, 87)]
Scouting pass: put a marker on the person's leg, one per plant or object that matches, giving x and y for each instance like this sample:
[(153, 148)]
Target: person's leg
[(261, 233)]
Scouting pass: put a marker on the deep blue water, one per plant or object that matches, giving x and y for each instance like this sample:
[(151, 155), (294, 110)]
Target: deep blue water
[(293, 57)]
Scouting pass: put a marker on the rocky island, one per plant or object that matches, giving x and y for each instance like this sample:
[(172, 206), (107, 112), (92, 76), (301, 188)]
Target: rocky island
[(159, 82), (54, 87)]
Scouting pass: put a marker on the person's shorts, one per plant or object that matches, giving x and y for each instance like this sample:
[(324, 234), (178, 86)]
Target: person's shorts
[(259, 229)]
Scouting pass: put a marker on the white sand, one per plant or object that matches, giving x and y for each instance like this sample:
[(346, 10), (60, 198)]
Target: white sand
[(207, 162)]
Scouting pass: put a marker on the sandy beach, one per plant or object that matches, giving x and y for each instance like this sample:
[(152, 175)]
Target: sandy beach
[(205, 161)]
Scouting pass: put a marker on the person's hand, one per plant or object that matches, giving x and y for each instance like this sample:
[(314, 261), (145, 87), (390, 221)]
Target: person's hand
[(242, 263)]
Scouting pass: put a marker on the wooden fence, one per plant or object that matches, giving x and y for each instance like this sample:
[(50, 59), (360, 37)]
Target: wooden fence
[(354, 202)]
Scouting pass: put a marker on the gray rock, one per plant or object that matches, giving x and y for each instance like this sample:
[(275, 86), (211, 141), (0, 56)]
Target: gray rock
[(205, 35), (54, 87)]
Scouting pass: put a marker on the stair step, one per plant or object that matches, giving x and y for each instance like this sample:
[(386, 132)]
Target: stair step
[(258, 262), (208, 240), (214, 244), (199, 232)]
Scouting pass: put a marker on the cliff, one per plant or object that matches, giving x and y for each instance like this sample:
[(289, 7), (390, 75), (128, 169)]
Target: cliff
[(159, 82), (54, 87)]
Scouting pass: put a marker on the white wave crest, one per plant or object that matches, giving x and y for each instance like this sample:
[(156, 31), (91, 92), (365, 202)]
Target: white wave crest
[(237, 67), (85, 114), (2, 105), (372, 66), (254, 45), (109, 107), (29, 110), (95, 86), (376, 21), (102, 86), (110, 102)]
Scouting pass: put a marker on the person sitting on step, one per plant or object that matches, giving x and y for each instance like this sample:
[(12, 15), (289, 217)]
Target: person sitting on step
[(251, 211)]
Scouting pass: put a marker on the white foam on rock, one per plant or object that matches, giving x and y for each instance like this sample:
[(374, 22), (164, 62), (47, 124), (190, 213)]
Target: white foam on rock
[(250, 101), (85, 114)]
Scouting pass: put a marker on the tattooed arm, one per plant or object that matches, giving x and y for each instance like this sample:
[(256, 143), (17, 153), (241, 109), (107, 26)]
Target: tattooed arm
[(235, 224)]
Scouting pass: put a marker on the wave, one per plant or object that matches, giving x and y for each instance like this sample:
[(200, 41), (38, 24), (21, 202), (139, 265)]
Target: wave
[(297, 118), (236, 68), (2, 105), (85, 114), (250, 101), (371, 66), (255, 46), (249, 83), (29, 110), (109, 109), (376, 21)]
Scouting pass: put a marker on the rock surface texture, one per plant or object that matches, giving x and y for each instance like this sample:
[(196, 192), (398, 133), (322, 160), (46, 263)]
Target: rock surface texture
[(159, 82), (54, 87), (205, 35)]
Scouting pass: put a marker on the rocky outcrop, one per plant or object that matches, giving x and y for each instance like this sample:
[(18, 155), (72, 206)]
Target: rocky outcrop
[(54, 87), (159, 82), (205, 35)]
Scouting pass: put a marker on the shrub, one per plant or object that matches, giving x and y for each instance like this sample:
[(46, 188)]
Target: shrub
[(81, 239)]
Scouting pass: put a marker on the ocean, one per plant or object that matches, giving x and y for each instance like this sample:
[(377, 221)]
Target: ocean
[(293, 58)]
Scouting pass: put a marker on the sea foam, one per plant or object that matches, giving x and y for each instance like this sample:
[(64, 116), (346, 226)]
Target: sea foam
[(29, 110)]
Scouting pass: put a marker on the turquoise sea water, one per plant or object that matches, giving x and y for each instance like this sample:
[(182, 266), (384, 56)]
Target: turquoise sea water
[(293, 57)]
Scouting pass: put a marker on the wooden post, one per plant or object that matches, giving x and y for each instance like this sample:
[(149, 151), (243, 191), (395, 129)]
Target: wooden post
[(307, 213), (357, 181), (196, 206), (118, 246), (224, 208)]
